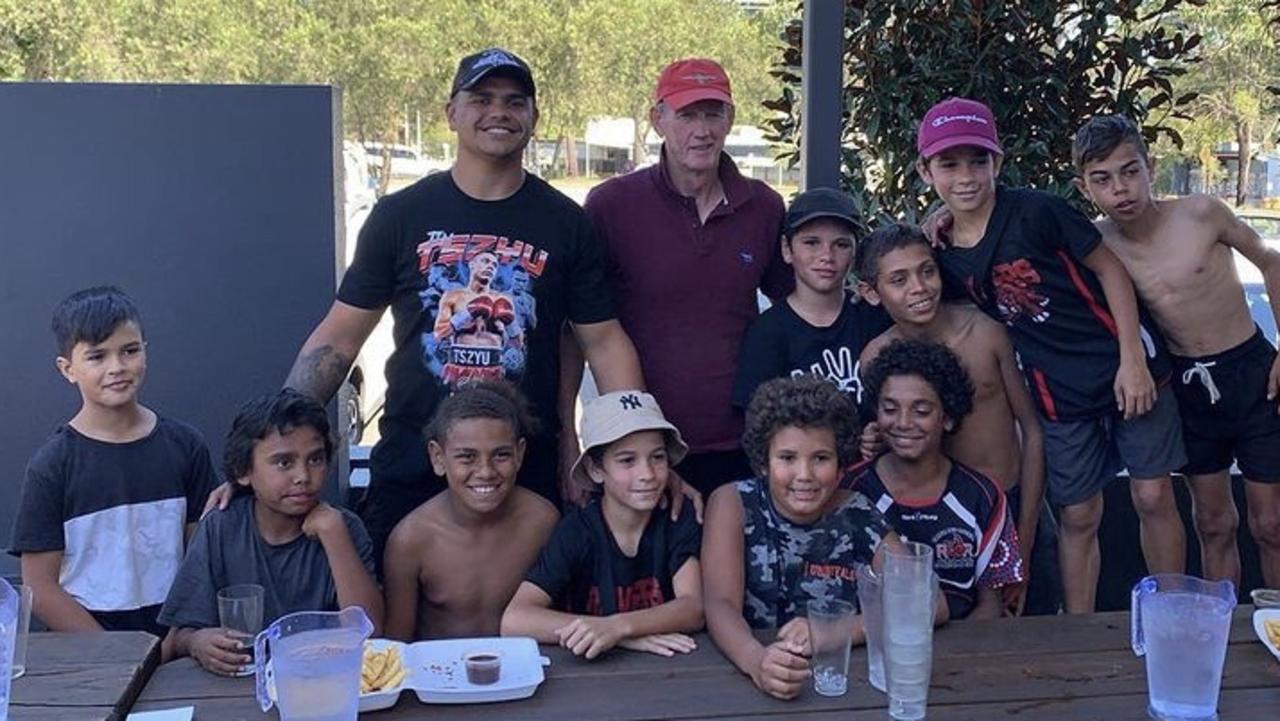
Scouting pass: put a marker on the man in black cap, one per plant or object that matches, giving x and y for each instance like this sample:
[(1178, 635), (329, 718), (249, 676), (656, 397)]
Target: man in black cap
[(820, 328), (458, 257)]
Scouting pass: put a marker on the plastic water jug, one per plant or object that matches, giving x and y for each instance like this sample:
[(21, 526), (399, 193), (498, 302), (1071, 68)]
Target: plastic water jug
[(1181, 625), (314, 667), (8, 636)]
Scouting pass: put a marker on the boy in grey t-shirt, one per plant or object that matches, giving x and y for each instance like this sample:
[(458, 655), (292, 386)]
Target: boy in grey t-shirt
[(307, 555)]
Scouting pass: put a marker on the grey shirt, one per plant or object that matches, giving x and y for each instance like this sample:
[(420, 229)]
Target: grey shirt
[(227, 550)]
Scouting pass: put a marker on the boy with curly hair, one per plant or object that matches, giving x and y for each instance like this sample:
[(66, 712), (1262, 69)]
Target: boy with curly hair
[(921, 394), (791, 534)]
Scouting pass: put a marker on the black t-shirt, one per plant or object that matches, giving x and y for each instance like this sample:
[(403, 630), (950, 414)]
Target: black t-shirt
[(228, 550), (118, 513), (1027, 272), (582, 556), (477, 289), (782, 344), (969, 528)]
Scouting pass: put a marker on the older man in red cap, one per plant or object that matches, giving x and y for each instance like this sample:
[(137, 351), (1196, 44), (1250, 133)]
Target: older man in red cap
[(687, 244)]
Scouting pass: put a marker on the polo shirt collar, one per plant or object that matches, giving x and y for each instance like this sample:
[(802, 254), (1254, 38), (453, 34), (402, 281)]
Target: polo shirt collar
[(737, 191)]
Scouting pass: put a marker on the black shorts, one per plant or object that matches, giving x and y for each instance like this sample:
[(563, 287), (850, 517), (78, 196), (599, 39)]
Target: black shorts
[(1225, 411)]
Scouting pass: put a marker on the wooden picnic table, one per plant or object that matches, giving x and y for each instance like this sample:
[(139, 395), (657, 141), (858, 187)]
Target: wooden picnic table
[(1064, 668), (82, 676)]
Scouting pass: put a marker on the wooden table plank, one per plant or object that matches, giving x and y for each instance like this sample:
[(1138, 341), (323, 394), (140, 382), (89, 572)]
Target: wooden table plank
[(1054, 668), (77, 676)]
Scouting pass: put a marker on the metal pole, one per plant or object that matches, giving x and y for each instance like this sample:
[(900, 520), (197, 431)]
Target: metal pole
[(821, 90)]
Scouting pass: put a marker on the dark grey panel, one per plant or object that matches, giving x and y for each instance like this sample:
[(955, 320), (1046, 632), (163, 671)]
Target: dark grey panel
[(213, 206)]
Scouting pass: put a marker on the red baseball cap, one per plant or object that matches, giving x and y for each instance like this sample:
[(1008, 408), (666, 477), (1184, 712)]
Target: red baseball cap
[(690, 80), (955, 122)]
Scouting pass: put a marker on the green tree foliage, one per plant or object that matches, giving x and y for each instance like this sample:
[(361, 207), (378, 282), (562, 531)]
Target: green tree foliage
[(1241, 61), (394, 58), (1044, 67)]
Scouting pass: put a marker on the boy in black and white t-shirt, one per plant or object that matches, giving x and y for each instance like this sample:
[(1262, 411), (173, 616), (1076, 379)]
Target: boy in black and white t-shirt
[(820, 329), (619, 571), (109, 496), (922, 393)]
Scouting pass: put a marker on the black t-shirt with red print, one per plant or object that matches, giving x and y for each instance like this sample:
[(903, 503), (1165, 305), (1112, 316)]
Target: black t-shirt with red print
[(582, 558), (1028, 273)]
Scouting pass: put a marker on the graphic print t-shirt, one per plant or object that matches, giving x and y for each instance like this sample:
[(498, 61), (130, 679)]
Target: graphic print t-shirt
[(786, 564), (1027, 272), (974, 539), (118, 513), (582, 558), (477, 289), (781, 344)]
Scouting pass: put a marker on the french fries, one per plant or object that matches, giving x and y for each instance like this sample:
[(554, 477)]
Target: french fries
[(381, 670), (1273, 632)]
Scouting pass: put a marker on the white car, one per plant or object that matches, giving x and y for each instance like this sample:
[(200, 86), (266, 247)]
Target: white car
[(1267, 223)]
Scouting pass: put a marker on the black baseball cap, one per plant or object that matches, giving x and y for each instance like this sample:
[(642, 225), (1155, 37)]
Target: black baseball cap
[(477, 66), (820, 203)]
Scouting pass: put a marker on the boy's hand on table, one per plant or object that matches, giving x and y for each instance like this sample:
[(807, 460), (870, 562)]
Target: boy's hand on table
[(219, 651), (1135, 391), (590, 636), (322, 521), (782, 671), (796, 631), (662, 644), (218, 498)]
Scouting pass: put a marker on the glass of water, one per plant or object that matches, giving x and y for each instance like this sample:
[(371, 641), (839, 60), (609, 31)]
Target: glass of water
[(907, 597), (869, 598), (240, 612), (23, 630), (830, 633)]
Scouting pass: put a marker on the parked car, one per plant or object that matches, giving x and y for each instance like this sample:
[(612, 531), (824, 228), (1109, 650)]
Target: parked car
[(363, 395), (1267, 223), (406, 162)]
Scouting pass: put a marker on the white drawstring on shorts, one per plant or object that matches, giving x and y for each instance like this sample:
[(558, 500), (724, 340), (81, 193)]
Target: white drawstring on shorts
[(1200, 372)]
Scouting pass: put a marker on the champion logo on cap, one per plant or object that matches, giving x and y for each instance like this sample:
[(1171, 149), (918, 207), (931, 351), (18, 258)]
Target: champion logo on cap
[(944, 119), (629, 402), (700, 78)]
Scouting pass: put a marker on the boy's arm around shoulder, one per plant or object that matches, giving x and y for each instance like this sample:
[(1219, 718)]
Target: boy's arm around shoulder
[(350, 553)]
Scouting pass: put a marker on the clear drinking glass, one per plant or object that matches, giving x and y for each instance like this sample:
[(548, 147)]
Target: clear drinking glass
[(25, 599), (907, 580), (8, 632), (830, 634), (869, 598), (240, 611)]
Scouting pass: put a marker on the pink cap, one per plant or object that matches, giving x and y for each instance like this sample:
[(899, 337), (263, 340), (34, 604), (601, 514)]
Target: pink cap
[(955, 122), (690, 80)]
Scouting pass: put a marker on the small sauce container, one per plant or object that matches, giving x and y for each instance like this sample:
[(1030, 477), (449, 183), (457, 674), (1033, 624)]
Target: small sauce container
[(1265, 597), (483, 667)]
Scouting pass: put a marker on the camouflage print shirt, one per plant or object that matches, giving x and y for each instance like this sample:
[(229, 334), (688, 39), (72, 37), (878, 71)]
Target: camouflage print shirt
[(787, 564)]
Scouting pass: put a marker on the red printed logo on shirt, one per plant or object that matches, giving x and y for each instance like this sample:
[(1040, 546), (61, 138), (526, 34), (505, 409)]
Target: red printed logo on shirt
[(1017, 291), (644, 593), (479, 290)]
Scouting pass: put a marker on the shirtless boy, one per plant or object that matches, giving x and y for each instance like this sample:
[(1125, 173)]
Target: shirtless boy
[(1179, 253), (455, 561), (897, 270)]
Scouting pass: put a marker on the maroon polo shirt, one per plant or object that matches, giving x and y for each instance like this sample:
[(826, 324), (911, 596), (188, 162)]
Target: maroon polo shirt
[(686, 290)]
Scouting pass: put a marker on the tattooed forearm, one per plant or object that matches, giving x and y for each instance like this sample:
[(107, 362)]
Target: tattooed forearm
[(319, 372)]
